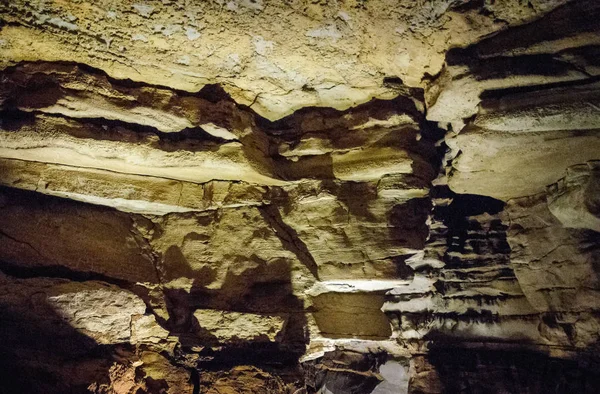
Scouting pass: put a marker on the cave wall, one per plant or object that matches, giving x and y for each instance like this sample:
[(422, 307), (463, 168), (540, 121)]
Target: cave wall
[(366, 197)]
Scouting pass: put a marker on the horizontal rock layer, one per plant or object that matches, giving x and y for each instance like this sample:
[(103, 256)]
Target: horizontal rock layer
[(329, 55)]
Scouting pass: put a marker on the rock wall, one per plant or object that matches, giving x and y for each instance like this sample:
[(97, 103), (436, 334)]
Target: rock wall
[(363, 197)]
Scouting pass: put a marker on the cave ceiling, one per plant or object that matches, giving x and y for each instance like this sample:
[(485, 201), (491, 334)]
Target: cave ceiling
[(302, 197)]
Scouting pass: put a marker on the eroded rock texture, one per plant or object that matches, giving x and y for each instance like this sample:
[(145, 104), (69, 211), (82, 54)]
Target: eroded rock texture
[(299, 197)]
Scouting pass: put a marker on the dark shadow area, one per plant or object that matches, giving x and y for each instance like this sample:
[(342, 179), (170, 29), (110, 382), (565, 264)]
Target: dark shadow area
[(455, 216), (344, 372), (213, 93), (407, 223), (42, 232), (356, 197), (12, 119), (504, 66), (565, 21), (289, 238), (539, 90), (469, 5), (305, 167), (403, 270), (278, 358), (394, 81), (18, 271), (330, 121), (513, 371), (464, 205), (40, 353)]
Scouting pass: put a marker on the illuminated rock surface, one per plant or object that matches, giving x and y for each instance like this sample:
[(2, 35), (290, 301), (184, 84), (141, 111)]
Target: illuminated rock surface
[(253, 196)]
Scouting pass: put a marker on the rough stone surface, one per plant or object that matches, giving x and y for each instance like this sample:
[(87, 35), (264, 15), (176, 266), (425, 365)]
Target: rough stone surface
[(234, 326), (299, 197), (575, 199), (318, 54), (49, 232), (489, 160), (556, 266), (103, 313)]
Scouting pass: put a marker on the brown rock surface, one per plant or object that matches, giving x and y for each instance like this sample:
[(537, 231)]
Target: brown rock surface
[(51, 232), (575, 199), (302, 197), (316, 55)]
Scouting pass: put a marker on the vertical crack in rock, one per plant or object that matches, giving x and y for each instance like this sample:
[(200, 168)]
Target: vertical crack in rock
[(144, 245), (289, 238), (4, 234)]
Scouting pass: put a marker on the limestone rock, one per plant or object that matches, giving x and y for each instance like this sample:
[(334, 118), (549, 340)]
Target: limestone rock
[(351, 315), (126, 152), (238, 327), (145, 329), (554, 108), (554, 50), (300, 197), (161, 375), (318, 55), (50, 232), (103, 313), (575, 199), (489, 160), (555, 265), (57, 327), (135, 193), (243, 380), (151, 373), (344, 371)]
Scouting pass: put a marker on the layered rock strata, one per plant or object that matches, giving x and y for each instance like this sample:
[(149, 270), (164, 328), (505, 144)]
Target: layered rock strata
[(196, 200)]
